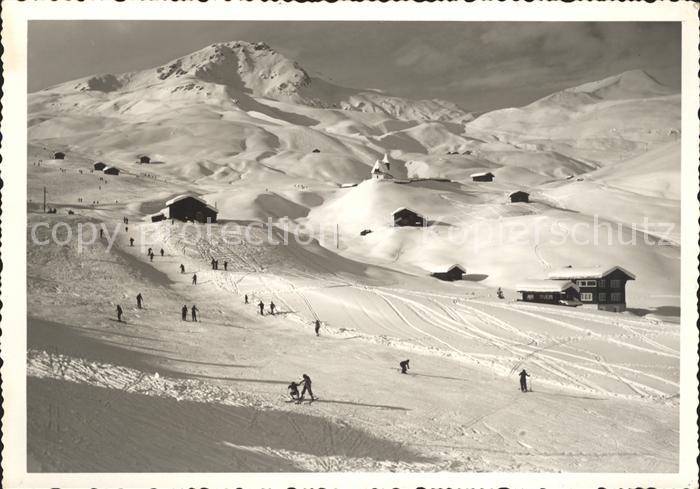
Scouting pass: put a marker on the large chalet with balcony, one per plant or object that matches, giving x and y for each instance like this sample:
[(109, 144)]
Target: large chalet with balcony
[(598, 286)]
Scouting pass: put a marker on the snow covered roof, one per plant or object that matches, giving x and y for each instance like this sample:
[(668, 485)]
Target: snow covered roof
[(385, 159), (110, 168), (517, 192), (481, 174), (586, 272), (444, 268), (405, 209), (187, 196), (380, 167), (545, 286)]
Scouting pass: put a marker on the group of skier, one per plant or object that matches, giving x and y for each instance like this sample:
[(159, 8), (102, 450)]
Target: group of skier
[(293, 388), (215, 264), (305, 381)]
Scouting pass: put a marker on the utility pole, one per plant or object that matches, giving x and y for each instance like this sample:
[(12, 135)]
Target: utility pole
[(44, 200)]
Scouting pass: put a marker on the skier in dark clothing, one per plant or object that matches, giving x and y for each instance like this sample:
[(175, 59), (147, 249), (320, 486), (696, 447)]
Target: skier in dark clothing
[(523, 380), (184, 313), (194, 279), (272, 308), (139, 301), (151, 256), (119, 313), (262, 308), (162, 252), (306, 382), (213, 264), (131, 242), (182, 268), (150, 251), (293, 391), (194, 313), (404, 366), (317, 327), (246, 299), (225, 265)]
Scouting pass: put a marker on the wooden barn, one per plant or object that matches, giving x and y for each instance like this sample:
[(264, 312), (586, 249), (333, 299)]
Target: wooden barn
[(403, 216), (604, 287), (99, 166), (59, 155), (191, 208), (144, 159), (110, 170), (519, 196), (550, 292), (482, 177), (448, 273)]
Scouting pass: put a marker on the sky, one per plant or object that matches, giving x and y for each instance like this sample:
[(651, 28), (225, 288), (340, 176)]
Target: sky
[(478, 65)]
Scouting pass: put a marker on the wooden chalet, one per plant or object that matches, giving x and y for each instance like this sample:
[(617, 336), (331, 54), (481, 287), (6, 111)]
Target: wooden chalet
[(604, 287)]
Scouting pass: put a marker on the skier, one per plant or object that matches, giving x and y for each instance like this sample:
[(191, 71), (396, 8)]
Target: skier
[(272, 308), (102, 233), (404, 366), (131, 242), (293, 391), (225, 265), (213, 264), (246, 299), (151, 256), (194, 313), (139, 301), (262, 308), (306, 382), (523, 380), (119, 313), (184, 313), (499, 293), (182, 268), (150, 251), (194, 279), (162, 252), (318, 327)]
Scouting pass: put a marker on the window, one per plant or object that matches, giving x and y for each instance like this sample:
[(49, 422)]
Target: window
[(548, 297), (615, 284), (586, 297), (601, 282), (616, 297), (529, 297), (602, 297), (587, 283)]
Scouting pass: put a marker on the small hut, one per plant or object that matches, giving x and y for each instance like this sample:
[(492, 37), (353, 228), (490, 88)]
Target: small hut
[(99, 166), (144, 159), (59, 155), (449, 273), (191, 208), (110, 170), (519, 196), (403, 216), (482, 177)]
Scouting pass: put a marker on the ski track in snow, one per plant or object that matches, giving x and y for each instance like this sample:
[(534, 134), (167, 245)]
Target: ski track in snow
[(453, 319)]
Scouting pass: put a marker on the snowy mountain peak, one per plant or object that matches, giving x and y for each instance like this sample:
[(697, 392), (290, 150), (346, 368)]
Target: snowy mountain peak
[(255, 66), (628, 84)]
